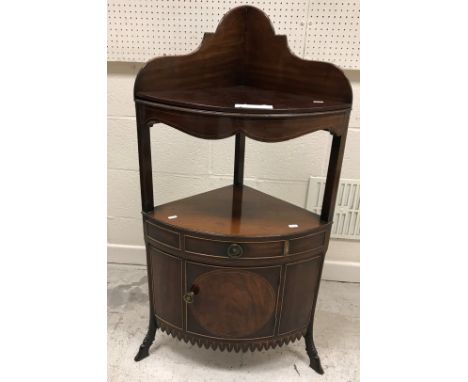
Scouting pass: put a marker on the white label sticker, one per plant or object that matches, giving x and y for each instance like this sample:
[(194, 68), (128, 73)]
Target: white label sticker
[(252, 106), (293, 226), (172, 217), (318, 101)]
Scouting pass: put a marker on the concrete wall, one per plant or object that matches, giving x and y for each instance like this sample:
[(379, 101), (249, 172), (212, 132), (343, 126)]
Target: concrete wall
[(184, 166)]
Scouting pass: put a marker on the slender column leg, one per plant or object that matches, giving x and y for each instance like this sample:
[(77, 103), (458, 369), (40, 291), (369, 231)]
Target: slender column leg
[(143, 351), (312, 351), (147, 202), (309, 336)]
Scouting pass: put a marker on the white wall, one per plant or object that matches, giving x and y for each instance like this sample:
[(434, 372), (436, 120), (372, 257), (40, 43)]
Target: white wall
[(184, 166)]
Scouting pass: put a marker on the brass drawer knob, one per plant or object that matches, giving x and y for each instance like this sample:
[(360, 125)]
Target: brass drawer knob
[(235, 250), (188, 297)]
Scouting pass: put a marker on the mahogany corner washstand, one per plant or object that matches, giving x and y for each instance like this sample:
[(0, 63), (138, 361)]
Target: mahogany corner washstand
[(234, 268)]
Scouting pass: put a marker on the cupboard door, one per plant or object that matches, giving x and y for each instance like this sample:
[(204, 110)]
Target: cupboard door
[(232, 303), (166, 273)]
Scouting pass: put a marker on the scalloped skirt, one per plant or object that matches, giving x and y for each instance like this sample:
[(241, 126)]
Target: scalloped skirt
[(230, 345)]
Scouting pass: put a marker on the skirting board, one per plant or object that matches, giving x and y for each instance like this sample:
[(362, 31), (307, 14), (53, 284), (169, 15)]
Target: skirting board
[(135, 254)]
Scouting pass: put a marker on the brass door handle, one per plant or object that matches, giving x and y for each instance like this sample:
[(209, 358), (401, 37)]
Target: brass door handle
[(234, 250), (188, 297)]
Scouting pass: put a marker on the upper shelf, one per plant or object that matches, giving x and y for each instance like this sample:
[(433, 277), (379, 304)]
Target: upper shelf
[(244, 62), (224, 99)]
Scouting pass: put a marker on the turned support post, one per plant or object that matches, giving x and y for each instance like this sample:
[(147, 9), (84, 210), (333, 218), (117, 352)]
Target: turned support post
[(333, 177), (144, 160), (239, 156)]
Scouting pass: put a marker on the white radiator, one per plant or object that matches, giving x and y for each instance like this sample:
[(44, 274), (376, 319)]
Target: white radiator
[(347, 216)]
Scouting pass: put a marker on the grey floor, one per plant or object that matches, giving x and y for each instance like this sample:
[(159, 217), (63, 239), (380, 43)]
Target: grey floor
[(336, 338)]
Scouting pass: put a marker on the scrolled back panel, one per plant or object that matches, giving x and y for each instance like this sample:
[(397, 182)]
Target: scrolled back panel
[(138, 30)]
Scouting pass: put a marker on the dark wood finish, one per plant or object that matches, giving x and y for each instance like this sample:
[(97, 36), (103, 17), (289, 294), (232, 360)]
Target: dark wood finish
[(230, 344), (306, 243), (333, 177), (264, 127), (232, 303), (143, 351), (244, 62), (167, 287), (221, 248), (238, 261), (223, 99), (234, 268), (244, 51), (239, 159), (235, 211), (163, 235), (144, 158), (314, 360), (299, 293)]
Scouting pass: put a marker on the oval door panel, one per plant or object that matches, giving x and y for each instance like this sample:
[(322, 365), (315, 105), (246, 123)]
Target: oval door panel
[(232, 303)]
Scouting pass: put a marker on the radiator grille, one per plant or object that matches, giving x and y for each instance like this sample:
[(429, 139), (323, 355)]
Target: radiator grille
[(346, 220)]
